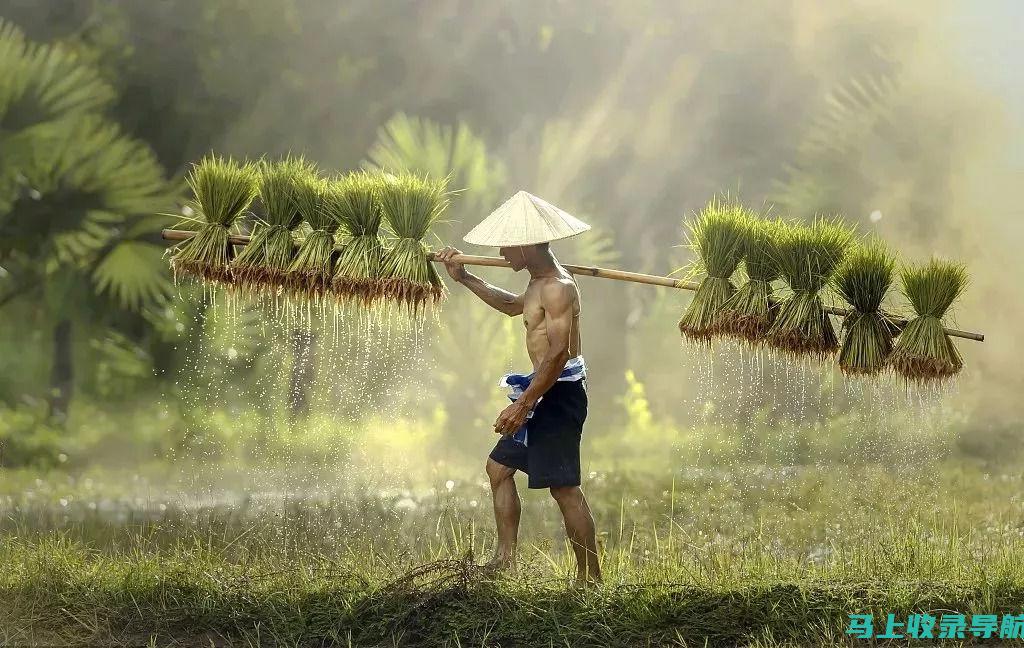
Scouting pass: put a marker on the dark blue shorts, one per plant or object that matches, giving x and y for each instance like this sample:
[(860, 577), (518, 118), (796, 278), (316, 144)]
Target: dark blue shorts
[(552, 456)]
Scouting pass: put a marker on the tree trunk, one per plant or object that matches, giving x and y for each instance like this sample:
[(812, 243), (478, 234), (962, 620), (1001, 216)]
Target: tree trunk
[(61, 375)]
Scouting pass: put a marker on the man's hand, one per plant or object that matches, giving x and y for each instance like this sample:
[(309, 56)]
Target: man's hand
[(512, 417), (456, 271)]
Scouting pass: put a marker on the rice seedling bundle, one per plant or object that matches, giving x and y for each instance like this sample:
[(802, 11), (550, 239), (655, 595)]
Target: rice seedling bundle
[(312, 270), (223, 190), (717, 236), (411, 205), (749, 313), (264, 262), (924, 351), (358, 274), (863, 279), (806, 257)]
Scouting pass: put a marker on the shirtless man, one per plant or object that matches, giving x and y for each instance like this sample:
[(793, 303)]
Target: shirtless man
[(556, 396)]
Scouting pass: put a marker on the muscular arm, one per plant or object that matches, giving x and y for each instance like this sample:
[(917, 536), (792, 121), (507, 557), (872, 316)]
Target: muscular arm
[(558, 299), (498, 299)]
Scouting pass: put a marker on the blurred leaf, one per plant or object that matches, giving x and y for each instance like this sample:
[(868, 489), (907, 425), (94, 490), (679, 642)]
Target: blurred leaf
[(135, 273), (426, 147), (119, 364)]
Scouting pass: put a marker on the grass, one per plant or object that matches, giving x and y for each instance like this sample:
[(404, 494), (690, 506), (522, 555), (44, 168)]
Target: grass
[(863, 279), (66, 594), (264, 262), (749, 312), (807, 255), (357, 277), (312, 269), (743, 557), (924, 352), (410, 206), (717, 235), (223, 190)]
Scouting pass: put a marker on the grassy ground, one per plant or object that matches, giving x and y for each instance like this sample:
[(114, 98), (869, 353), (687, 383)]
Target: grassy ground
[(741, 556)]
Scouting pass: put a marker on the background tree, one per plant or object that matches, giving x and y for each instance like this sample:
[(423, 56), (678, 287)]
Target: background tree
[(77, 198)]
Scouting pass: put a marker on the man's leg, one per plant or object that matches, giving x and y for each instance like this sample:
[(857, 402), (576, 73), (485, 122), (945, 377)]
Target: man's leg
[(507, 510), (579, 526)]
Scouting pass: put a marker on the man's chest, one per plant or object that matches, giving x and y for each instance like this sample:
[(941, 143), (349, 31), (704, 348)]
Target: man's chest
[(533, 311)]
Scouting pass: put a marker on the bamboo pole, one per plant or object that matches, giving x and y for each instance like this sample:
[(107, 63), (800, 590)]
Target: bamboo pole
[(590, 271)]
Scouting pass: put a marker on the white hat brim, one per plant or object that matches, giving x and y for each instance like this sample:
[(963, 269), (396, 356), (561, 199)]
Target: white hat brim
[(525, 219)]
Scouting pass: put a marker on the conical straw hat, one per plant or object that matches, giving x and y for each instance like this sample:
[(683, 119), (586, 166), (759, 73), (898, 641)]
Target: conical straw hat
[(525, 219)]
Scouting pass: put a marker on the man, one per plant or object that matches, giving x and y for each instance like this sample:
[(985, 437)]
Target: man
[(540, 431)]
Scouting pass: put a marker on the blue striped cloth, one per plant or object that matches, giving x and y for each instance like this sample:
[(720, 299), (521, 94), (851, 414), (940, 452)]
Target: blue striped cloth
[(575, 369)]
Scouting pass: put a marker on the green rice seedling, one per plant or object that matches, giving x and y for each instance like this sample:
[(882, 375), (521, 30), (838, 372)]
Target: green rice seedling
[(263, 264), (358, 274), (717, 236), (312, 269), (924, 352), (223, 190), (863, 279), (749, 313), (806, 257), (410, 205)]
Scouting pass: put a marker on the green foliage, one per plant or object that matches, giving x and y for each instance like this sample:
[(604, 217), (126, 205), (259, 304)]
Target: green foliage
[(222, 190), (716, 234), (750, 311), (308, 194), (277, 185), (74, 190), (90, 183), (133, 273), (807, 255), (358, 209), (312, 269), (43, 83), (411, 205), (29, 438), (933, 287), (356, 206), (863, 279), (924, 352), (424, 147), (264, 262)]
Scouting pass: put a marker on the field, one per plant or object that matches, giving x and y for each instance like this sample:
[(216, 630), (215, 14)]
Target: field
[(744, 555)]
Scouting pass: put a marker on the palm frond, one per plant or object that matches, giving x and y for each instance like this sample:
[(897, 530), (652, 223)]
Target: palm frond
[(133, 272)]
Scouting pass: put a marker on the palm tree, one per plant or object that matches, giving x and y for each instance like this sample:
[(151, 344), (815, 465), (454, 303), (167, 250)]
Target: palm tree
[(77, 196)]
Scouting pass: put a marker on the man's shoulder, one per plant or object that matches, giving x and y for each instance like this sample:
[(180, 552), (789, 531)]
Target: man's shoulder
[(558, 289)]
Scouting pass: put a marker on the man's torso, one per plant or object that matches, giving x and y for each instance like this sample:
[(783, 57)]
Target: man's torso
[(533, 318)]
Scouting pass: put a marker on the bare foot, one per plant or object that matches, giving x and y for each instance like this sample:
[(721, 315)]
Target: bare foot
[(499, 564), (585, 582)]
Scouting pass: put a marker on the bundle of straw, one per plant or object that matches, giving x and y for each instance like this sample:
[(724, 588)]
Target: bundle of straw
[(749, 313), (222, 191), (312, 269), (717, 236), (357, 209), (264, 262), (806, 257), (863, 279), (410, 205), (923, 350)]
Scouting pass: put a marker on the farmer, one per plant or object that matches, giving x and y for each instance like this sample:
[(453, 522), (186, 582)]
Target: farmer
[(540, 430)]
